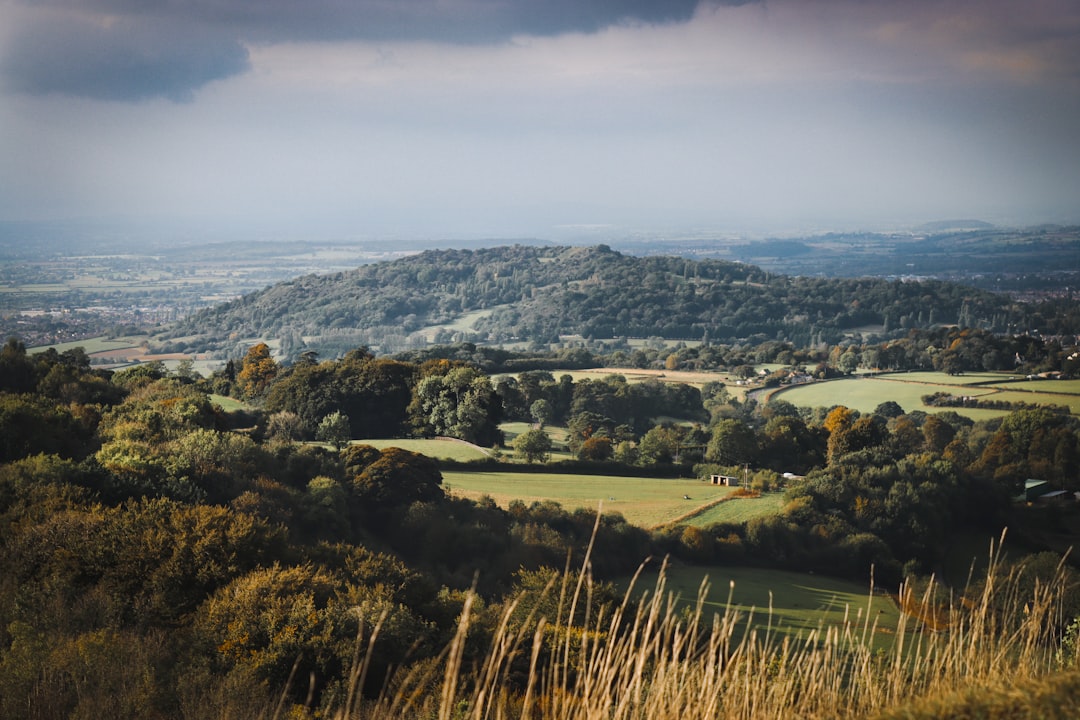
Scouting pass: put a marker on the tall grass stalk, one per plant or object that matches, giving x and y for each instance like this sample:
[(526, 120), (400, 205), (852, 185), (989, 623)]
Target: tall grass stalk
[(649, 658)]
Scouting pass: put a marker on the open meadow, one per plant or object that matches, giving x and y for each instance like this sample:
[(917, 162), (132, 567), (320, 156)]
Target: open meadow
[(864, 393), (91, 346), (738, 510), (646, 502), (439, 448), (696, 378), (786, 603)]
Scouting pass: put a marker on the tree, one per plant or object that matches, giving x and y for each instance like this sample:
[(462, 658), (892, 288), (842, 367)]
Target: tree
[(659, 445), (787, 444), (889, 409), (257, 371), (284, 426), (533, 445), (848, 362), (863, 433), (595, 448), (460, 403), (325, 511), (732, 443), (541, 412), (334, 429), (398, 477), (31, 424), (16, 369), (937, 434), (626, 452)]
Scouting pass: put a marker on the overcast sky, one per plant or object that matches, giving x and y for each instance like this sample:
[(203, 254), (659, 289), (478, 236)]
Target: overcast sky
[(334, 119)]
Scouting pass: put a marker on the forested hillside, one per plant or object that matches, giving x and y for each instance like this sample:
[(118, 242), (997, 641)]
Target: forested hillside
[(536, 294)]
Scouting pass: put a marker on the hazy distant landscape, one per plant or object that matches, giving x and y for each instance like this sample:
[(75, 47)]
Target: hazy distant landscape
[(89, 287)]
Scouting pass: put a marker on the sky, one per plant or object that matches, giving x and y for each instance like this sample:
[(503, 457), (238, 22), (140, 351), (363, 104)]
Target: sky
[(362, 119)]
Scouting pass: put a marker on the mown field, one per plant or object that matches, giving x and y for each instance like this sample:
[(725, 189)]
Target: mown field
[(445, 448), (739, 510), (688, 377), (800, 603), (91, 345), (647, 502), (864, 393)]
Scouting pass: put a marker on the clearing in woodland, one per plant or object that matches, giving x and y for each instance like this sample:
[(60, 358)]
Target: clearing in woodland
[(646, 502)]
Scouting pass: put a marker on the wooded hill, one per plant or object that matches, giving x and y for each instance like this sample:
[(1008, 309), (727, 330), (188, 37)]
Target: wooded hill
[(537, 294)]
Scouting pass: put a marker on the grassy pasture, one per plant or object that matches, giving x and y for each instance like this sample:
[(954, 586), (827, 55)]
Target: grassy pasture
[(1054, 387), (866, 393), (696, 378), (739, 510), (646, 502), (90, 345), (229, 404), (559, 434), (464, 323), (940, 378), (432, 447), (801, 603)]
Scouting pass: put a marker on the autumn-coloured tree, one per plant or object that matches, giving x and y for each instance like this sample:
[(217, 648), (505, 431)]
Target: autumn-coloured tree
[(257, 371), (596, 448)]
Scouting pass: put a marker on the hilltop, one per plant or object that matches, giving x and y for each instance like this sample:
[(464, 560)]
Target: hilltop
[(539, 295)]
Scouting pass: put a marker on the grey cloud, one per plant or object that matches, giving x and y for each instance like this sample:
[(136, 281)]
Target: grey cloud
[(129, 59), (128, 50), (453, 21)]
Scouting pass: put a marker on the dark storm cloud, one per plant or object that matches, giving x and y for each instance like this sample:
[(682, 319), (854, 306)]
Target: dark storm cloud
[(128, 50), (127, 59)]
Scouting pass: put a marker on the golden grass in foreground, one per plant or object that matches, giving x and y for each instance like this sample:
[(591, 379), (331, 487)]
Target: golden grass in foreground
[(651, 661)]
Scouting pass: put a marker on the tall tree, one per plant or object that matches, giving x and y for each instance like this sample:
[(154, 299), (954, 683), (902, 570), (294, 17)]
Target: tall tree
[(257, 371)]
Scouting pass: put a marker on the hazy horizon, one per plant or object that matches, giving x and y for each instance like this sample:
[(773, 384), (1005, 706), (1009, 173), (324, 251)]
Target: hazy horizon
[(465, 119)]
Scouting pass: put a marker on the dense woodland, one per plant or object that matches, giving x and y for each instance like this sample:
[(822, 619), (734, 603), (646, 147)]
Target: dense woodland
[(537, 295), (164, 558)]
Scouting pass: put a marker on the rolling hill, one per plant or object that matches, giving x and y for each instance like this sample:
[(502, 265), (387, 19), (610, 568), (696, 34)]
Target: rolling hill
[(537, 295)]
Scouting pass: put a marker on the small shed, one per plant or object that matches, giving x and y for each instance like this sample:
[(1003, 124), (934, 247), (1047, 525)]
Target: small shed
[(1035, 489), (729, 480)]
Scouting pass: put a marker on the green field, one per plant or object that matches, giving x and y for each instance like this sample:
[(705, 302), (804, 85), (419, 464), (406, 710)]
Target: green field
[(433, 447), (739, 510), (647, 502), (801, 603), (940, 378), (907, 389), (229, 404), (697, 378), (464, 323), (1056, 387), (90, 345)]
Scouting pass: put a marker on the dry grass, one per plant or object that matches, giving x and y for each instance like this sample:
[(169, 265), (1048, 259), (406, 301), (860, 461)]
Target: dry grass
[(648, 660)]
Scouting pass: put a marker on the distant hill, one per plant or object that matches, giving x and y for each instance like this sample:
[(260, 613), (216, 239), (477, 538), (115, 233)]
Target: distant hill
[(952, 225), (537, 295), (1036, 260)]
